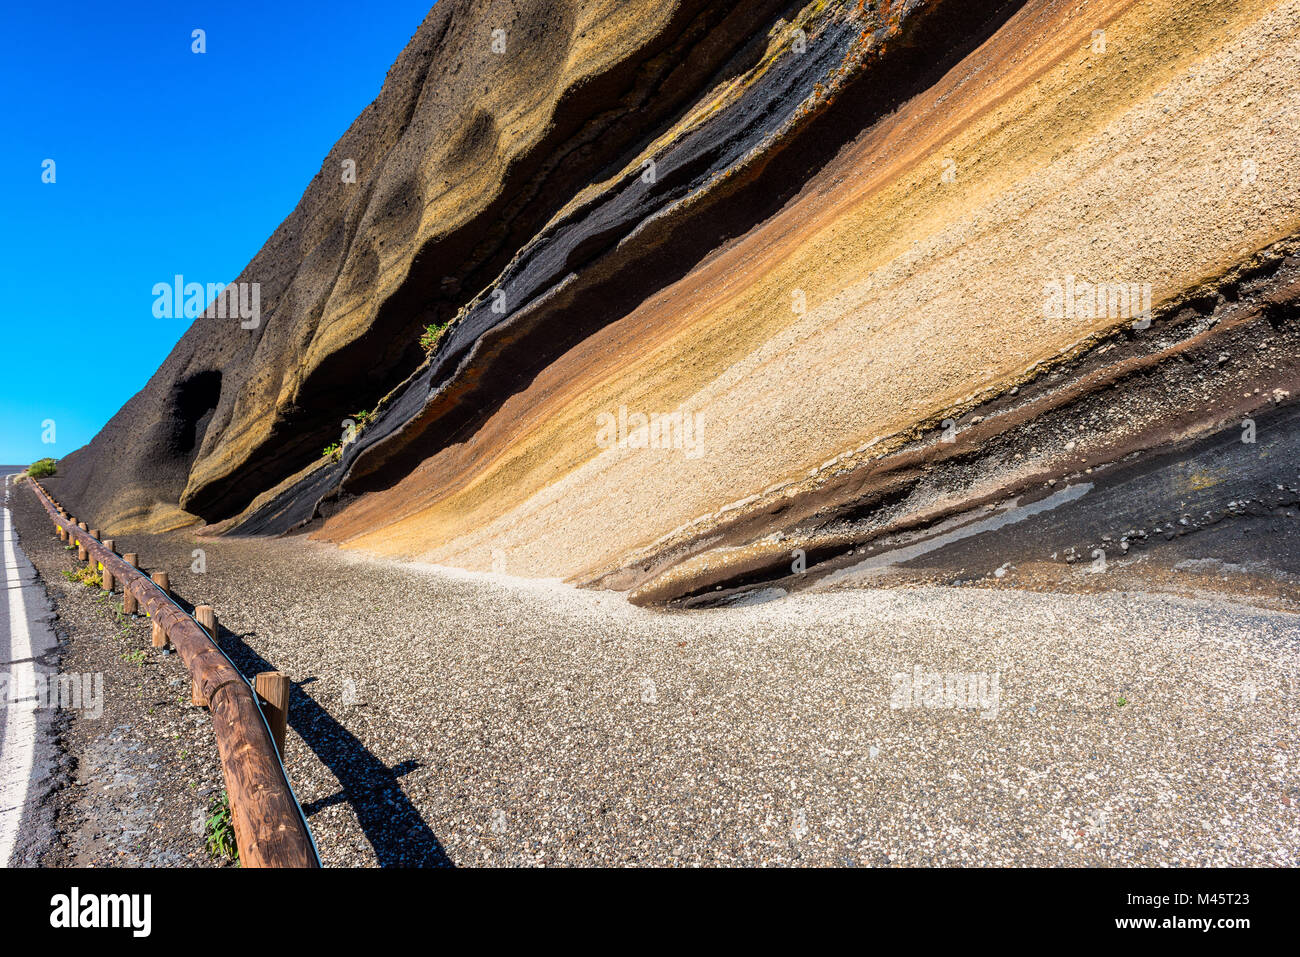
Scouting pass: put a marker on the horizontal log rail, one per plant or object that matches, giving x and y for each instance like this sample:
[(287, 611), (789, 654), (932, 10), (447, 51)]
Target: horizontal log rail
[(270, 829)]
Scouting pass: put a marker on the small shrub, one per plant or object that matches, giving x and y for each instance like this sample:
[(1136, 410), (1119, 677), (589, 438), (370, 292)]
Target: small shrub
[(431, 336), (88, 576), (333, 451), (221, 829), (42, 468)]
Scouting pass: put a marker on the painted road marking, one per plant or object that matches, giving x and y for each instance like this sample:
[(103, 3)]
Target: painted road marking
[(18, 746)]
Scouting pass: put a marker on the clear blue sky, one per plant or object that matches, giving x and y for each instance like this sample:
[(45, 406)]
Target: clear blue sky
[(167, 162)]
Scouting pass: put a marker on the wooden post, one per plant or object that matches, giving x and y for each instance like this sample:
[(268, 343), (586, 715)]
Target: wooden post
[(130, 604), (272, 689), (83, 526), (94, 533), (206, 616), (63, 534), (106, 575), (162, 581), (159, 637), (82, 554)]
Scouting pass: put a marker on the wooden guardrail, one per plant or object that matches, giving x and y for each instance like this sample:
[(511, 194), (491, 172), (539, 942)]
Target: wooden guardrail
[(270, 829)]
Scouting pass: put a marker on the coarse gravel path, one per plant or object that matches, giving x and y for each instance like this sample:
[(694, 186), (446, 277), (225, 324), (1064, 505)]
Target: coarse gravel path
[(448, 717)]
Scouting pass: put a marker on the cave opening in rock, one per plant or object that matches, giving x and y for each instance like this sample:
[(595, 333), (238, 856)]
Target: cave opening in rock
[(193, 401)]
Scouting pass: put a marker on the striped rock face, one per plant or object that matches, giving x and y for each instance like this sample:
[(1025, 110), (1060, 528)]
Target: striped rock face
[(727, 303)]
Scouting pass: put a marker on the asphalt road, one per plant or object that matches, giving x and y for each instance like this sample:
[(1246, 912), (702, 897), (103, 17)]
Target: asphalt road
[(27, 746)]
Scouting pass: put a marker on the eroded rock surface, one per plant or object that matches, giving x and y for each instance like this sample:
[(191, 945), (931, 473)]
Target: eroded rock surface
[(845, 255)]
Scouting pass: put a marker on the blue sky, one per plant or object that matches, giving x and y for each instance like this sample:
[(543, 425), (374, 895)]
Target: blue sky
[(166, 161)]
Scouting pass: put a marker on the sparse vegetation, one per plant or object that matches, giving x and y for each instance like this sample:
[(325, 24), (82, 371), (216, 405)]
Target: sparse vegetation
[(123, 622), (333, 451), (221, 829), (88, 576), (431, 336), (42, 468), (134, 658)]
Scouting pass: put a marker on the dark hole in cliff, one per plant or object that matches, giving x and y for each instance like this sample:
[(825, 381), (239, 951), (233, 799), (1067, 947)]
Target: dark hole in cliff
[(193, 401)]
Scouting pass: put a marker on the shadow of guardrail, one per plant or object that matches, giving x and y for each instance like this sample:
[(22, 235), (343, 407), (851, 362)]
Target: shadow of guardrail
[(392, 824)]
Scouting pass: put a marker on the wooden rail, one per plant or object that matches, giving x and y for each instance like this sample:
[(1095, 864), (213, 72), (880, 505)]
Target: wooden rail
[(269, 827)]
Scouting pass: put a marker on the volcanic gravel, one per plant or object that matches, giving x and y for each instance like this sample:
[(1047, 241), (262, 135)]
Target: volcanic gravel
[(447, 717)]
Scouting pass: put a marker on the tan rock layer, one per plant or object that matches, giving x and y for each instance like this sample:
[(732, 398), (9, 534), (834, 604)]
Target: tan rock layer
[(1160, 152)]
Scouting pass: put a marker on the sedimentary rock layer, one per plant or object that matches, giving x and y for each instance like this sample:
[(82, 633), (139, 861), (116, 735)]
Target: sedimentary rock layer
[(924, 295), (850, 253)]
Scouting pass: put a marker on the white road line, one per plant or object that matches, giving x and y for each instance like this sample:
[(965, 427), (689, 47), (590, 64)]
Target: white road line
[(19, 744)]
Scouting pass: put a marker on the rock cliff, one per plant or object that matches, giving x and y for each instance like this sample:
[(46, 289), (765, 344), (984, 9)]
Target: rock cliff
[(719, 296)]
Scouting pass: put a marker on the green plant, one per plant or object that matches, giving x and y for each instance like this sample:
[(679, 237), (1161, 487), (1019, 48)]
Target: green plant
[(333, 451), (431, 336), (42, 468), (134, 657), (362, 418), (1121, 702), (221, 829), (123, 623), (119, 617), (88, 576)]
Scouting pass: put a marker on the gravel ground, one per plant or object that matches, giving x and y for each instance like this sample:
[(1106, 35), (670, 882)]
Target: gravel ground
[(137, 774), (446, 717)]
